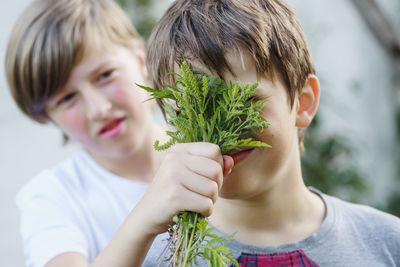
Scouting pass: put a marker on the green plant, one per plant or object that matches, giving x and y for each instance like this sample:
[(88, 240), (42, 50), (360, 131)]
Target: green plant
[(206, 109), (327, 165)]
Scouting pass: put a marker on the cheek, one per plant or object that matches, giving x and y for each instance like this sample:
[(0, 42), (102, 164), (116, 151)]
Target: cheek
[(73, 124), (129, 96), (280, 133), (277, 139)]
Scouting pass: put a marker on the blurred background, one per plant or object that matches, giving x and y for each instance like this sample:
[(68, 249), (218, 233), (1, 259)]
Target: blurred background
[(352, 147)]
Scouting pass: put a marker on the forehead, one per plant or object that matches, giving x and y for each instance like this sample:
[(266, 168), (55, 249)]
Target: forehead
[(107, 50), (243, 70), (242, 67)]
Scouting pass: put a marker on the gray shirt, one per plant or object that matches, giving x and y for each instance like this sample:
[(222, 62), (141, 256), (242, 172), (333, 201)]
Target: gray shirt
[(350, 235)]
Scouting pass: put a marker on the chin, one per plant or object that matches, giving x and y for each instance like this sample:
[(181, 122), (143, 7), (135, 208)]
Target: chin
[(238, 194), (234, 189), (244, 184), (230, 195), (119, 152)]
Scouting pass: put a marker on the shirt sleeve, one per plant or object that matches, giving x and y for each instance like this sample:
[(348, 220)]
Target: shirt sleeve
[(47, 224)]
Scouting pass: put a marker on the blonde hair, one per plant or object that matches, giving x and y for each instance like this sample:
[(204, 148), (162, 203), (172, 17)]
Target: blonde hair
[(50, 38), (207, 30)]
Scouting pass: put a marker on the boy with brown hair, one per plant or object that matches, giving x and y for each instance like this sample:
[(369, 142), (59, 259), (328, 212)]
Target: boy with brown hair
[(277, 219)]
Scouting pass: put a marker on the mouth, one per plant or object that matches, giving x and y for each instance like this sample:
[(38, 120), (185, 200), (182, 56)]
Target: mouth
[(112, 128), (240, 155)]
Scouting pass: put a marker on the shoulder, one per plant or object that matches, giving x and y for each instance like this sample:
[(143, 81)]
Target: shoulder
[(52, 182), (367, 221), (51, 219), (367, 214)]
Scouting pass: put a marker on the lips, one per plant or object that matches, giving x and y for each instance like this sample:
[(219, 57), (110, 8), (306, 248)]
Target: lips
[(112, 128), (240, 155)]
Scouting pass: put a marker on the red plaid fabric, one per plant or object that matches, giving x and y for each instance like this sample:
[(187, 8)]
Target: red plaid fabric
[(295, 258)]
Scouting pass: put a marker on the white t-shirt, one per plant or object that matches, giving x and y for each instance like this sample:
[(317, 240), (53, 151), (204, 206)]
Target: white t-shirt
[(76, 206)]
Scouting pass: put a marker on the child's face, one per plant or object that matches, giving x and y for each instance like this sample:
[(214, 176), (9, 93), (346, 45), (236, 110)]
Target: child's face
[(256, 172), (101, 107)]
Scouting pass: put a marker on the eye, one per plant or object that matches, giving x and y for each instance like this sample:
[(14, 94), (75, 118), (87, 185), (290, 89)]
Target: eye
[(106, 75), (66, 99)]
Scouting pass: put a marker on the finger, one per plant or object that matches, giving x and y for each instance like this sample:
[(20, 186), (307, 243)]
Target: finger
[(196, 203), (204, 149), (228, 165), (200, 185), (205, 167)]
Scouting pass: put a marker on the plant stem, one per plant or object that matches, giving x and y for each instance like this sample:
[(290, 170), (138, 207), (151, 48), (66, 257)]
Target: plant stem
[(189, 247)]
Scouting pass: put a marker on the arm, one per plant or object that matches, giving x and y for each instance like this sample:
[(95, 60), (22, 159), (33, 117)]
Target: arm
[(188, 179)]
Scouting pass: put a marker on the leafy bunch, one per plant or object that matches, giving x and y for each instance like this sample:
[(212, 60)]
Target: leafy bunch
[(206, 109)]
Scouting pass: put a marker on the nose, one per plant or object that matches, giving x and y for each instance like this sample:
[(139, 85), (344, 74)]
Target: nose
[(97, 103)]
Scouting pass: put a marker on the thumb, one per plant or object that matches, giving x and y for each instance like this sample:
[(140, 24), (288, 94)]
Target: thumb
[(228, 164)]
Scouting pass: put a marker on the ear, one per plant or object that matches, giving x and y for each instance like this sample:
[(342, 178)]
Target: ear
[(307, 102)]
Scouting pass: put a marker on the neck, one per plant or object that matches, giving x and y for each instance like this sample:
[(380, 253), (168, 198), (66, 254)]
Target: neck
[(284, 213), (139, 166)]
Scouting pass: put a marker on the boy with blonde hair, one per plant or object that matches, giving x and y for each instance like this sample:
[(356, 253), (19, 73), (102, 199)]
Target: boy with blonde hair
[(75, 63), (278, 221)]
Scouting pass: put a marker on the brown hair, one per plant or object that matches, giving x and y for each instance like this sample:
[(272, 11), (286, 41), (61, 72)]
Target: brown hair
[(205, 30), (50, 38)]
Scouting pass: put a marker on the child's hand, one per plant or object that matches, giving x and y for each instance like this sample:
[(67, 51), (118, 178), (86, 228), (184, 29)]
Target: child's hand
[(188, 180)]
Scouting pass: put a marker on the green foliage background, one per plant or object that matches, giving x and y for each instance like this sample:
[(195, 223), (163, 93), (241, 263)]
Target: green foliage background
[(141, 14), (328, 162)]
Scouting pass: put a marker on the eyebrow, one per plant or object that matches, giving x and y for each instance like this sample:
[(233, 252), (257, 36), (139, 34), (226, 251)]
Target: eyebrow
[(97, 69)]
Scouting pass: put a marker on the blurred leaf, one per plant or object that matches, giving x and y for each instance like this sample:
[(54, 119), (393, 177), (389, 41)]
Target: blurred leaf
[(328, 166), (141, 15)]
